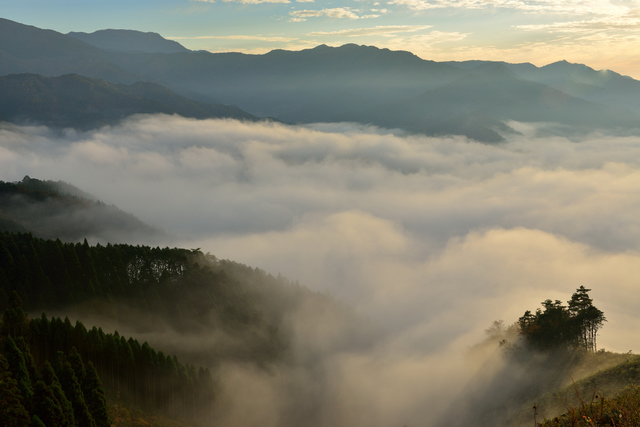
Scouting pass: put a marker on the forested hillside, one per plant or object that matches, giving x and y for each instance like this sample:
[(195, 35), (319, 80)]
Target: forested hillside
[(44, 358), (57, 210), (149, 291)]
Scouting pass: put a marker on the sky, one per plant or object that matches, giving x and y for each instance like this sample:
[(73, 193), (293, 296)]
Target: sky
[(602, 34)]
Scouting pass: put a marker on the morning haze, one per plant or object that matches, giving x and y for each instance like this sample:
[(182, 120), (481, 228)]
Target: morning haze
[(363, 218)]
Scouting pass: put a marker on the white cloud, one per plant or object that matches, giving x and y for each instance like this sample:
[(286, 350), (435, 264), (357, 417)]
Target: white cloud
[(429, 238), (627, 22), (570, 7), (337, 12)]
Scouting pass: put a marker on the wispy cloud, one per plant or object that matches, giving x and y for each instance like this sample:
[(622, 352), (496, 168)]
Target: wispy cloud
[(571, 7), (337, 12), (627, 22), (373, 31)]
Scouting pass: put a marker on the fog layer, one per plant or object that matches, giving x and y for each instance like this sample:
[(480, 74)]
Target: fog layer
[(429, 238)]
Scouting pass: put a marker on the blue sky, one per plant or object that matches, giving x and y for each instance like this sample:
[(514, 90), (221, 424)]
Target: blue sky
[(601, 34)]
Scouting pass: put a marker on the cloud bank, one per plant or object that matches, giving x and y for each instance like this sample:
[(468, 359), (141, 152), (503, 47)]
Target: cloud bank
[(430, 238)]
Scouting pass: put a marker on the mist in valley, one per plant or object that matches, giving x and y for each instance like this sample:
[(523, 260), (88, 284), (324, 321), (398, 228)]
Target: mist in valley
[(427, 240)]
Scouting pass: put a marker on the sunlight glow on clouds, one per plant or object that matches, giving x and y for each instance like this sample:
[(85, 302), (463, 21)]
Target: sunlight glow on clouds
[(337, 12), (394, 225), (430, 239), (572, 7)]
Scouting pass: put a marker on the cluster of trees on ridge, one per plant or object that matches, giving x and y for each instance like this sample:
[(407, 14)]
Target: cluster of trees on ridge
[(575, 325)]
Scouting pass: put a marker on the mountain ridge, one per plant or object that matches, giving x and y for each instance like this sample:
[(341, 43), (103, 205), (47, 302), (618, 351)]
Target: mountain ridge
[(129, 41), (333, 84)]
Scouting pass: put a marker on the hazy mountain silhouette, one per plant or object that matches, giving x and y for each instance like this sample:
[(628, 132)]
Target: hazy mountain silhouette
[(604, 86), (129, 41), (54, 210), (351, 83), (27, 49), (83, 103), (477, 104)]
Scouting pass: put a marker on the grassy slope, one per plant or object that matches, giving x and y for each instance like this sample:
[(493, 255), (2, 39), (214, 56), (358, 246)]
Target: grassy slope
[(123, 415), (593, 399)]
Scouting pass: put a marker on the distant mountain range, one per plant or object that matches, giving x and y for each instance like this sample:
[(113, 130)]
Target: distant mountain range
[(392, 89)]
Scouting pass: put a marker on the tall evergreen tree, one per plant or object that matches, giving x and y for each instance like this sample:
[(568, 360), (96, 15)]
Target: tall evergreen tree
[(95, 397), (46, 407), (52, 383), (73, 392), (12, 411), (19, 370), (14, 319)]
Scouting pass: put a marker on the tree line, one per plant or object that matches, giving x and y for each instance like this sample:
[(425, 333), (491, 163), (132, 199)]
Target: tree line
[(61, 391), (40, 349), (179, 285)]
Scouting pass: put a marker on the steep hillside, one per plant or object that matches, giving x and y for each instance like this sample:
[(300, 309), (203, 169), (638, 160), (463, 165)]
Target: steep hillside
[(208, 312), (57, 210)]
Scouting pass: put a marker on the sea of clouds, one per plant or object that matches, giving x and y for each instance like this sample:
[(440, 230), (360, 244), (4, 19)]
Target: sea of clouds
[(430, 238)]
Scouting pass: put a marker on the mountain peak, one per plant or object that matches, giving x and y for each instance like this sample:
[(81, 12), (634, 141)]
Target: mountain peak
[(129, 41)]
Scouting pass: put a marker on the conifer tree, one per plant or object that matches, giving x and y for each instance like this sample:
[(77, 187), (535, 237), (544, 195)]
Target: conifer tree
[(12, 411), (36, 422), (19, 370), (95, 397), (73, 392), (46, 407), (77, 365), (14, 320), (52, 383)]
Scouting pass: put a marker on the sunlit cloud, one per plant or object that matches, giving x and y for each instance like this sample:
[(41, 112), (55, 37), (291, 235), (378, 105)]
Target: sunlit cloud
[(395, 225), (572, 7), (429, 239), (629, 22), (337, 12)]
